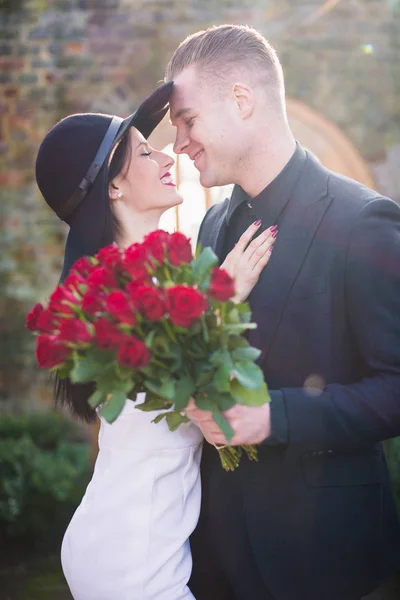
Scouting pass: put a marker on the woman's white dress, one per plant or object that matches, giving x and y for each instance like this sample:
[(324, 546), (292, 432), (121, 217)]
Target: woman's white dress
[(129, 538)]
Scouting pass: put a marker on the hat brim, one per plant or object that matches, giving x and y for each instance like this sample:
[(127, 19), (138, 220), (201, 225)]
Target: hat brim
[(149, 114)]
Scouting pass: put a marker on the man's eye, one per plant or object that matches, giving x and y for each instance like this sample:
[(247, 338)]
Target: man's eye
[(189, 122)]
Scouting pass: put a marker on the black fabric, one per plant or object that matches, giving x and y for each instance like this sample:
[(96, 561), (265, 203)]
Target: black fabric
[(268, 206), (64, 159), (225, 568), (317, 506)]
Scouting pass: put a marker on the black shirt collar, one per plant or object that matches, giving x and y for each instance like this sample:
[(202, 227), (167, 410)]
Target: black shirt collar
[(269, 203)]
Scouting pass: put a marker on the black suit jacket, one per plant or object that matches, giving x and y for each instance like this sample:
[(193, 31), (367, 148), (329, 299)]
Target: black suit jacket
[(318, 505)]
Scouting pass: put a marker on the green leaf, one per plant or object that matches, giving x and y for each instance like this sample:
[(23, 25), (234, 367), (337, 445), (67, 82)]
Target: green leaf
[(103, 357), (239, 327), (202, 265), (64, 370), (85, 370), (237, 341), (204, 378), (159, 417), (208, 403), (244, 312), (233, 316), (248, 374), (166, 389), (222, 377), (220, 357), (183, 390), (149, 338), (97, 398), (223, 424), (174, 419), (113, 407), (248, 397), (248, 353), (224, 401), (153, 402)]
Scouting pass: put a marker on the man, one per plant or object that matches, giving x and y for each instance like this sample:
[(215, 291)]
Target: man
[(314, 519)]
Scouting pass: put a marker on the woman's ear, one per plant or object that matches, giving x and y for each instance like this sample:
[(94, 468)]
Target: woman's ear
[(114, 192), (244, 98)]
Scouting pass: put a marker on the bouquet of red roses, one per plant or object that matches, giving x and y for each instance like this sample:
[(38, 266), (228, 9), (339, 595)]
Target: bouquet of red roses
[(153, 319)]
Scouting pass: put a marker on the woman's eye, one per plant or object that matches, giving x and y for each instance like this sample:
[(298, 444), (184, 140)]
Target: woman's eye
[(145, 154)]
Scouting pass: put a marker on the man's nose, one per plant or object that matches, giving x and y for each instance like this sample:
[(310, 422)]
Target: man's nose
[(181, 143)]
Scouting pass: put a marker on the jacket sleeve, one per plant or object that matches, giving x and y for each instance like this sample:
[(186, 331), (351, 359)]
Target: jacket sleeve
[(366, 411)]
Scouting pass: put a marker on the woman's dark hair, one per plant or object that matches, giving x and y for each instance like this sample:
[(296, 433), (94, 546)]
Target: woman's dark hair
[(75, 395)]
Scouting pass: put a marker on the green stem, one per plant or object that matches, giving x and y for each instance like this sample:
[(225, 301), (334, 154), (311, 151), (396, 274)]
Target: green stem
[(169, 330), (230, 455)]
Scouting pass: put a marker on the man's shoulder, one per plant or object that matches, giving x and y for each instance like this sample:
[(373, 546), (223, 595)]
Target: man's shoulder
[(350, 196)]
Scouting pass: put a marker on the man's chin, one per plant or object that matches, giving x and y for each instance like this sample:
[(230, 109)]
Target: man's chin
[(207, 180)]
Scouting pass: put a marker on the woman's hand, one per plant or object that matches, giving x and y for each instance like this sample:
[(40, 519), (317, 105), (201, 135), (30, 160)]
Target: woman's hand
[(248, 258)]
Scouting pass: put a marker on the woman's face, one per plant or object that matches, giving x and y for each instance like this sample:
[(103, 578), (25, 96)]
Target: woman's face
[(145, 181)]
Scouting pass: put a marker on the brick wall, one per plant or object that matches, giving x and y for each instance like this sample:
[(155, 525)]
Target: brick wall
[(63, 56)]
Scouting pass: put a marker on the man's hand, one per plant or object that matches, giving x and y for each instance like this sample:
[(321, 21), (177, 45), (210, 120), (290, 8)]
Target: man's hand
[(251, 424)]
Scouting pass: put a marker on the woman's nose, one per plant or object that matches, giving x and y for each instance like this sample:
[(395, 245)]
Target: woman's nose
[(167, 161)]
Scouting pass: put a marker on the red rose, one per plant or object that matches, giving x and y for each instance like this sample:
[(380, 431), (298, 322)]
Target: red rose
[(149, 302), (222, 286), (107, 335), (185, 305), (83, 266), (109, 257), (59, 301), (32, 318), (136, 261), (156, 244), (75, 331), (102, 277), (133, 353), (50, 352), (73, 282), (179, 249), (93, 302), (119, 306), (47, 322)]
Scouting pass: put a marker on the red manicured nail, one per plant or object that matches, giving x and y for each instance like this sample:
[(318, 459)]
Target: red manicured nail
[(258, 222), (274, 228), (274, 233)]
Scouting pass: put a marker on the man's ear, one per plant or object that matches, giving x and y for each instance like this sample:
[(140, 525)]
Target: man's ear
[(244, 98)]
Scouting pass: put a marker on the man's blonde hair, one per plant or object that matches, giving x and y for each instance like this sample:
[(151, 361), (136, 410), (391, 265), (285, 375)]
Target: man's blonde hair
[(226, 50)]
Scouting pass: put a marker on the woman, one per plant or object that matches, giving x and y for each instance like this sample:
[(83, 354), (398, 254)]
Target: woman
[(129, 537)]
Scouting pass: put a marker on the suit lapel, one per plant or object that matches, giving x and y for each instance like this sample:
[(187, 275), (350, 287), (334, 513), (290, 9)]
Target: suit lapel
[(214, 227), (297, 228)]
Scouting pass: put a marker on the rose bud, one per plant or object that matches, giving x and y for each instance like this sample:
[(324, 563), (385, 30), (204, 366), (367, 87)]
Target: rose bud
[(32, 318), (222, 286), (133, 353), (50, 352), (185, 305)]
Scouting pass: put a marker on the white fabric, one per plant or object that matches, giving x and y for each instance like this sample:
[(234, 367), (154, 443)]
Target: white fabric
[(128, 539)]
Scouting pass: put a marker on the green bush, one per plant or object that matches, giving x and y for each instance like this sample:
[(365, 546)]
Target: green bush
[(43, 476)]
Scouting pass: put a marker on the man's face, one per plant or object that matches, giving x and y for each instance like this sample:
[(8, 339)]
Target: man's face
[(207, 128)]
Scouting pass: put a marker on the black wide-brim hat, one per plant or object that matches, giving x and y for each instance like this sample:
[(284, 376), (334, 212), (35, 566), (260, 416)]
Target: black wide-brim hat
[(72, 170)]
